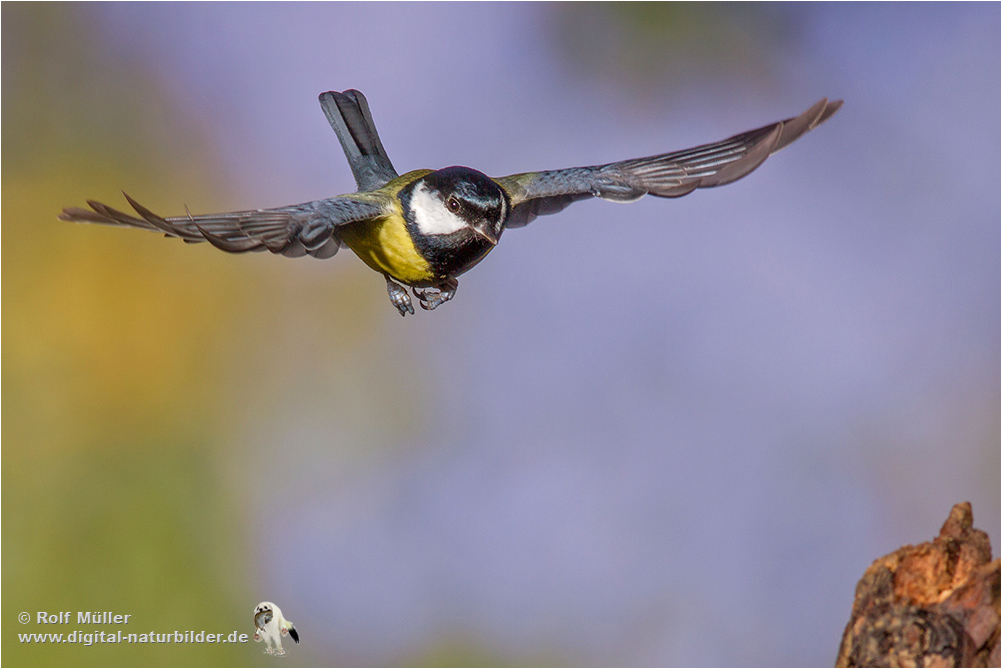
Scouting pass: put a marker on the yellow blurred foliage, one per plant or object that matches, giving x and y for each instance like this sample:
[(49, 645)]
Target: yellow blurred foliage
[(117, 348), (100, 315)]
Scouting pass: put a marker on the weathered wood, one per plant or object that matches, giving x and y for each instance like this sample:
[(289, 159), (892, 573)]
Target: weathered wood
[(931, 605)]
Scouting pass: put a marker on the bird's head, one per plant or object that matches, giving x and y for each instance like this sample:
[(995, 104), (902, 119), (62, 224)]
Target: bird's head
[(457, 201)]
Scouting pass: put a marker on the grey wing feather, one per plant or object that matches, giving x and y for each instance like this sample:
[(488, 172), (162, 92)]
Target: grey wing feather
[(348, 113), (303, 229), (666, 175)]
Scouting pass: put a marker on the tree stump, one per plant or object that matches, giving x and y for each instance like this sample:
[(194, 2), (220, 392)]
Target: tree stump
[(931, 605)]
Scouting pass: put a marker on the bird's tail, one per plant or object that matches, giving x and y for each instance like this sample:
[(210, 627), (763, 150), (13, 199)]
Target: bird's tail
[(348, 113)]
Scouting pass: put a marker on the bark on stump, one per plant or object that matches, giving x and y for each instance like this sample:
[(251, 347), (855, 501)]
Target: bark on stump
[(931, 605)]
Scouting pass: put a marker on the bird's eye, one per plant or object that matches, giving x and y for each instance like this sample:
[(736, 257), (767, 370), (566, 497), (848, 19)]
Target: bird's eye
[(453, 204)]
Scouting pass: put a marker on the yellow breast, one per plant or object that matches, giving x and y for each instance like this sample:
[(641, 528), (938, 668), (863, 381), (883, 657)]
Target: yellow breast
[(384, 245)]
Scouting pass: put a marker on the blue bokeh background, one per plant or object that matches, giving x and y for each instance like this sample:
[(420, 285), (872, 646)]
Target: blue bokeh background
[(669, 433)]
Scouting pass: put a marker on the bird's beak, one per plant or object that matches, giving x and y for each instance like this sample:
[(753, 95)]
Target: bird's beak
[(488, 234)]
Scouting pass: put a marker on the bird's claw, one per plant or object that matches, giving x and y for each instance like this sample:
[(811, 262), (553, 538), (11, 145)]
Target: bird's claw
[(430, 298), (399, 297)]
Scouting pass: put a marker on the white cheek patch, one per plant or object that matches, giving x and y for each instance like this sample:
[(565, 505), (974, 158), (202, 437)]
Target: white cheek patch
[(431, 215)]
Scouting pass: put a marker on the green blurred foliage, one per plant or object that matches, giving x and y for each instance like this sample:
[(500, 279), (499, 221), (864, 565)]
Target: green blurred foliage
[(110, 496), (131, 363)]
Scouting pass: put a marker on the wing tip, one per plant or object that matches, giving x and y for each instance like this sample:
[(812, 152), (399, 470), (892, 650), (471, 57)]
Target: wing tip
[(830, 110), (71, 214), (796, 127)]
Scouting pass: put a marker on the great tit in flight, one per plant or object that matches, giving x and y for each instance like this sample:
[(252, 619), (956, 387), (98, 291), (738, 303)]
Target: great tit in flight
[(425, 228)]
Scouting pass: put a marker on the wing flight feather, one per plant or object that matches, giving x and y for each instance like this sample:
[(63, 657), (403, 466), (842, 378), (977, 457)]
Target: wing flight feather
[(310, 228), (666, 175)]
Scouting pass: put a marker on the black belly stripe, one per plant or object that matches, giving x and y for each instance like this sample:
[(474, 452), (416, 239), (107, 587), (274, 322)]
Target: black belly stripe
[(453, 254)]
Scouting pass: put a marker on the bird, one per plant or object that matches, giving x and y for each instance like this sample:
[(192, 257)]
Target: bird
[(270, 626), (423, 229)]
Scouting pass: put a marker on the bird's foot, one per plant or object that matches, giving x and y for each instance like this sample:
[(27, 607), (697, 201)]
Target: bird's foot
[(269, 651), (429, 298), (399, 297), (280, 651)]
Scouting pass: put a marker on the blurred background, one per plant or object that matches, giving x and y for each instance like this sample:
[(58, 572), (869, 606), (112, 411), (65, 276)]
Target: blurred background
[(669, 433)]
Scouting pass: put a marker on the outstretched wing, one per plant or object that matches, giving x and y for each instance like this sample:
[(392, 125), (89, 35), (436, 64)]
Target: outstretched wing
[(310, 228), (668, 175)]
